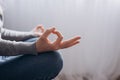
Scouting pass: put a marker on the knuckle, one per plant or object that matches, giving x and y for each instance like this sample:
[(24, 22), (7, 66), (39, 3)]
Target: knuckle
[(61, 37), (47, 30), (55, 47)]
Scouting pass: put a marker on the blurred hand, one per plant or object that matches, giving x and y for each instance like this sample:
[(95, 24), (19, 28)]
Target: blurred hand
[(43, 44), (38, 30)]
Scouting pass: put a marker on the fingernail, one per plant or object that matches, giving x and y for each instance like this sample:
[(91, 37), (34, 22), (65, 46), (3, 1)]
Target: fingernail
[(53, 28), (79, 37)]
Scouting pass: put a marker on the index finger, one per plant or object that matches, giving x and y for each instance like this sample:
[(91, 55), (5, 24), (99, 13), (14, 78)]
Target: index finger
[(48, 32), (59, 36)]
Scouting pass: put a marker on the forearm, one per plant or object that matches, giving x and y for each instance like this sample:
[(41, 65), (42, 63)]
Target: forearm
[(16, 35), (9, 48)]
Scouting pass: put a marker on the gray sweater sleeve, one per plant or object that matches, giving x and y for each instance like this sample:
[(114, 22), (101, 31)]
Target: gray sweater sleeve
[(10, 48), (8, 44), (16, 35)]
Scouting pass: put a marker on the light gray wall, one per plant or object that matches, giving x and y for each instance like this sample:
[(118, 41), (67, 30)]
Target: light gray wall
[(96, 21)]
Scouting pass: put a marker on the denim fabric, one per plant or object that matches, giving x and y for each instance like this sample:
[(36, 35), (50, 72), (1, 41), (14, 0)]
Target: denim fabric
[(44, 66)]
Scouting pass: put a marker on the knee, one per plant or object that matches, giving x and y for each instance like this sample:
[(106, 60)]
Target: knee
[(46, 66), (55, 61)]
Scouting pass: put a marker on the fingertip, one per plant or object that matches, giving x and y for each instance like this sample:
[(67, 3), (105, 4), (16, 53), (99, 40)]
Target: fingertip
[(55, 31), (52, 28), (40, 25), (78, 41), (78, 37)]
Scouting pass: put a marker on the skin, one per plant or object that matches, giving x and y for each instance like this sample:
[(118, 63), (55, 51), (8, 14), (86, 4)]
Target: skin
[(43, 44)]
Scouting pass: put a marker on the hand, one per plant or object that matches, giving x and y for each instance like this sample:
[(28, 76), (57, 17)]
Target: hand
[(38, 31), (43, 44)]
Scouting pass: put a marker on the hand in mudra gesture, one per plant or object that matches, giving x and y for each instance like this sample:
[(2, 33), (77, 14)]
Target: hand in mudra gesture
[(38, 30), (43, 44)]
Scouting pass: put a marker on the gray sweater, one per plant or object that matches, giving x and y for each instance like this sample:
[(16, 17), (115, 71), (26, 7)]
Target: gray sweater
[(10, 41)]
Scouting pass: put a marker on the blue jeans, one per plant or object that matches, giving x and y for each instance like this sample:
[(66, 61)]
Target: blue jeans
[(45, 66)]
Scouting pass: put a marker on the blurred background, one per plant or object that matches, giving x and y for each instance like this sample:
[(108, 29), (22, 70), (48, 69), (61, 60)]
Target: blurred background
[(97, 57)]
